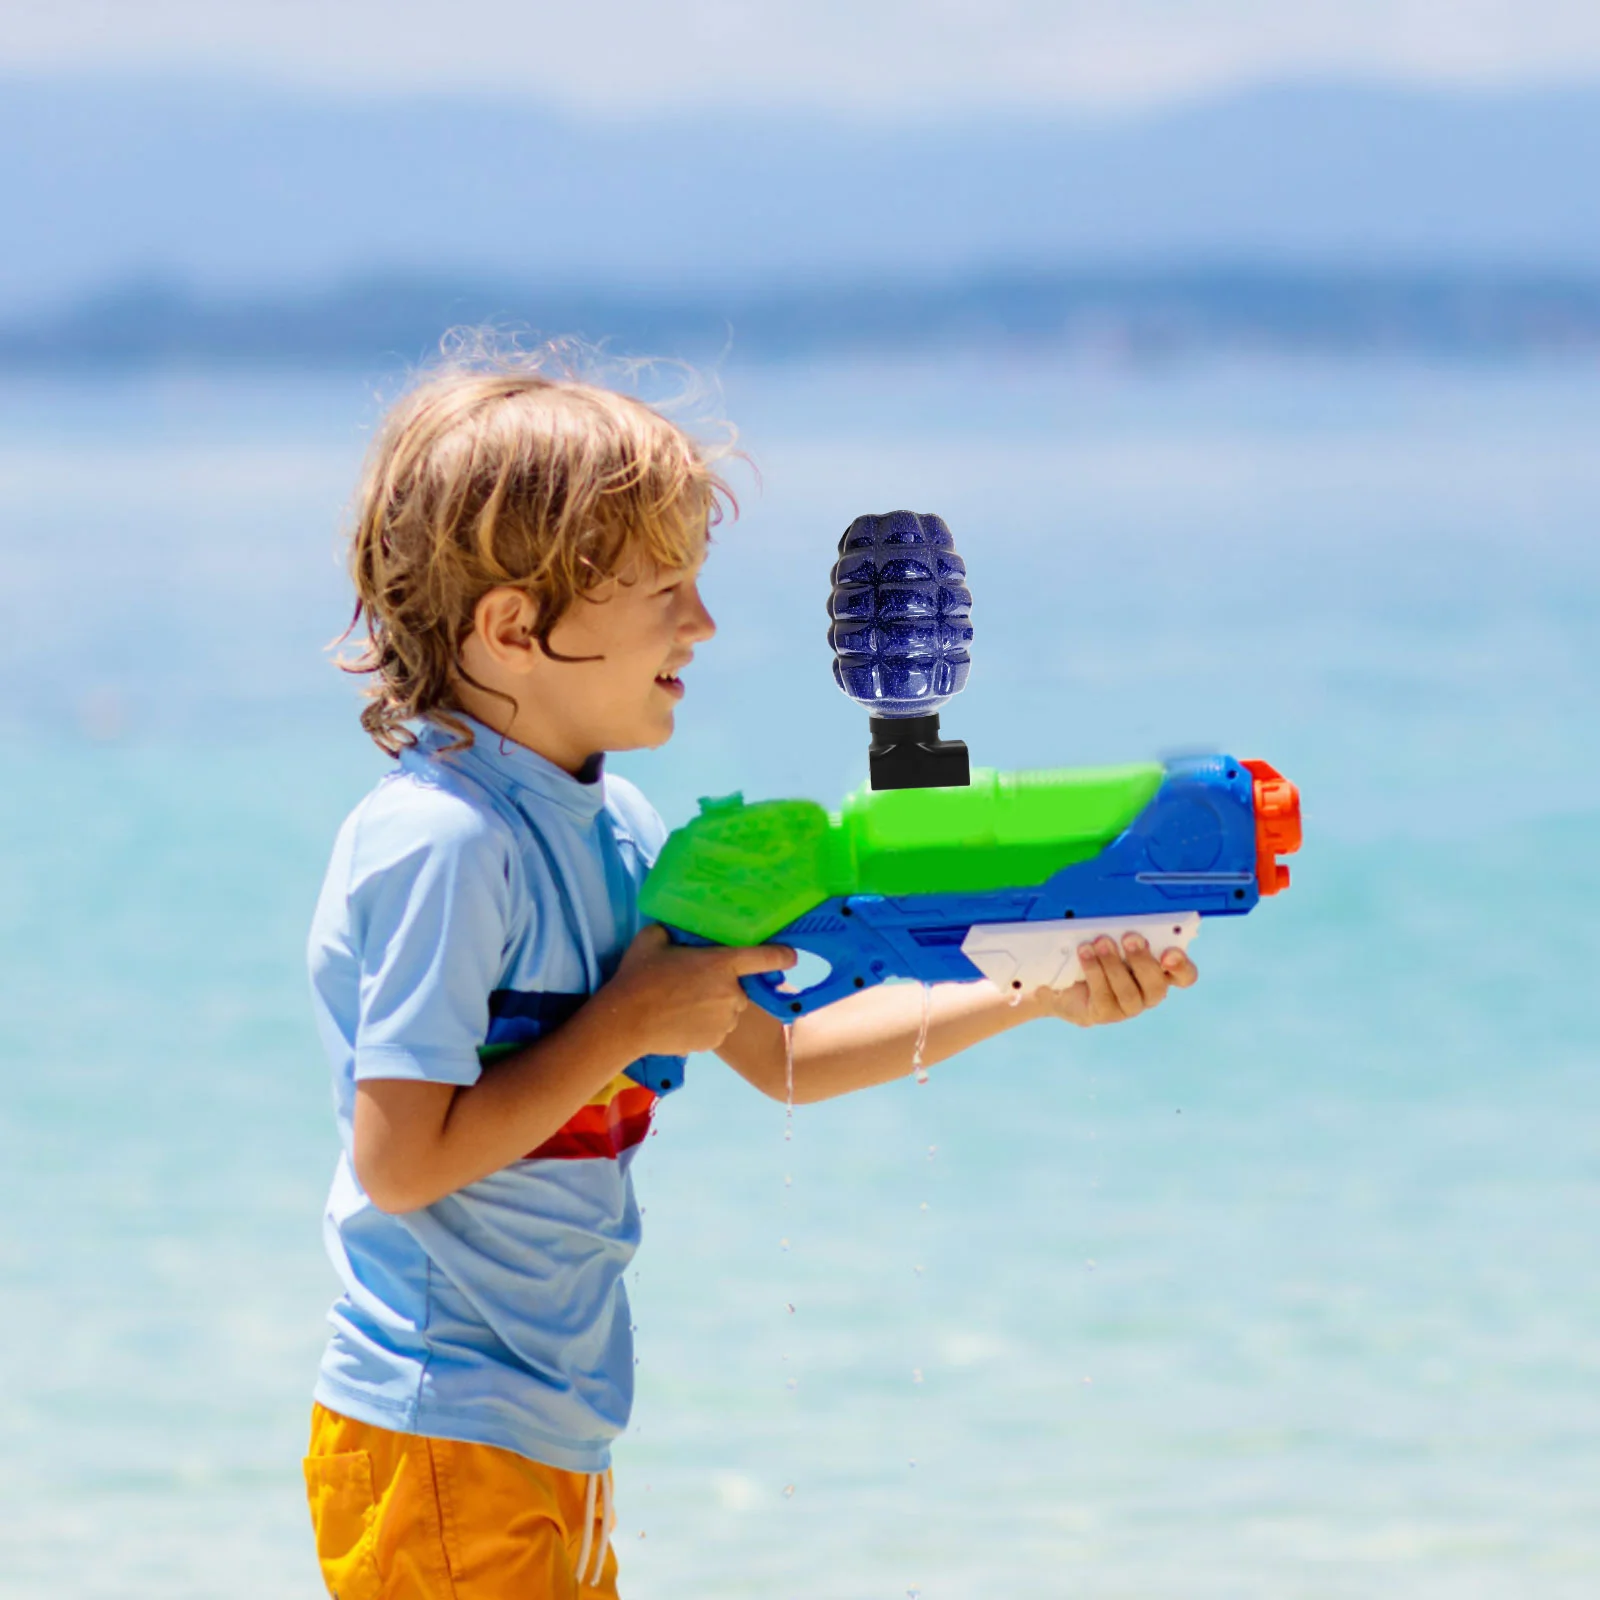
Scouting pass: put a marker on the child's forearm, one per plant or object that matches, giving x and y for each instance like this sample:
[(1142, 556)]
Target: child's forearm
[(869, 1038), (872, 1037), (416, 1142)]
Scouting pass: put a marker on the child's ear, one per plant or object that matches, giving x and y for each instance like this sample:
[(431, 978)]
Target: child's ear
[(503, 622)]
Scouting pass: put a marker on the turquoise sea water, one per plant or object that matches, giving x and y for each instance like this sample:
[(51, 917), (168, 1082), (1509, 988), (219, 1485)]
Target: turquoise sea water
[(1290, 1290)]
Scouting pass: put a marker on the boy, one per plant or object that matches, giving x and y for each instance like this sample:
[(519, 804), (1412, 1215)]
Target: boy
[(526, 558)]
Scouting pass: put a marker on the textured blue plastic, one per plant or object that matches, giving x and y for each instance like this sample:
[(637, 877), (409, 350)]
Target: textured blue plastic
[(1193, 848), (901, 614)]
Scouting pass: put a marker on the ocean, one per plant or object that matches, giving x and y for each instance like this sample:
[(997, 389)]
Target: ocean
[(1289, 1290)]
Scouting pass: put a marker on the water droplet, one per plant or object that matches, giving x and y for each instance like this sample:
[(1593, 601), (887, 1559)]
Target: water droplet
[(916, 1374), (788, 1080), (783, 1244), (788, 1491), (1090, 1263), (788, 1180), (917, 1067), (917, 1270), (913, 1594), (1088, 1380), (923, 1206), (933, 1150), (792, 1385)]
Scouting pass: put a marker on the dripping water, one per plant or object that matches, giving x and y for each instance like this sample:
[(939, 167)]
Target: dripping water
[(788, 1081), (917, 1068), (791, 1384)]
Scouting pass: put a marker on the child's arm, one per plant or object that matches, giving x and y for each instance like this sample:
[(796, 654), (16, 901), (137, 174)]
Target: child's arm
[(417, 1141), (871, 1037)]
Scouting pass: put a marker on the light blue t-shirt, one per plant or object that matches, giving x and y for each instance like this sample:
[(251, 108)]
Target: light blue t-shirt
[(474, 900)]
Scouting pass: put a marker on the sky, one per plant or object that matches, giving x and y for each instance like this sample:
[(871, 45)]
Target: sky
[(898, 58)]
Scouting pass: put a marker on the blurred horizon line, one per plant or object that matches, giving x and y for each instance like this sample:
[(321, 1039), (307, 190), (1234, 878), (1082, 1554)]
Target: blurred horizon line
[(1140, 314)]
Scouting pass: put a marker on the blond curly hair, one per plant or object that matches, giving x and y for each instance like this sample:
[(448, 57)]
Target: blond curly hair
[(499, 472)]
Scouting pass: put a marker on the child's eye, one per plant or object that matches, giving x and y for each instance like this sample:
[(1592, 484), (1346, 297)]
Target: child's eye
[(676, 585)]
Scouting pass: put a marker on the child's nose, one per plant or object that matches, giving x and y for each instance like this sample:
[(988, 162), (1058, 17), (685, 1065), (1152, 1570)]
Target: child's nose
[(699, 624)]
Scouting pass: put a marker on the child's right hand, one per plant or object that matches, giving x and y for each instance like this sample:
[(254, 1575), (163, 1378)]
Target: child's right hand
[(686, 997)]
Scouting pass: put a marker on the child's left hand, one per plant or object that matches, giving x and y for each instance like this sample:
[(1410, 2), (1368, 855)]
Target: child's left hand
[(1118, 984)]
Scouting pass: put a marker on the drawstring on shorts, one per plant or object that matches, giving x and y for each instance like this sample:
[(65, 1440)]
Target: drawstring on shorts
[(607, 1523)]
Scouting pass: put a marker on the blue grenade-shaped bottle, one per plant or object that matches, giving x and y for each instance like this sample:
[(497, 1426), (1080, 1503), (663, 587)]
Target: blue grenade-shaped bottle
[(902, 638)]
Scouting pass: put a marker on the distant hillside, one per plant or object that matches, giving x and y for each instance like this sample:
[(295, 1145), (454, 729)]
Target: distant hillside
[(1129, 317), (237, 188)]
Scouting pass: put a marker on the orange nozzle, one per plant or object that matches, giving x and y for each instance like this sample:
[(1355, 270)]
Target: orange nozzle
[(1277, 804)]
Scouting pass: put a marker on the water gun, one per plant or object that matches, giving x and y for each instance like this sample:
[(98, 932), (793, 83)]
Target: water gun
[(937, 871)]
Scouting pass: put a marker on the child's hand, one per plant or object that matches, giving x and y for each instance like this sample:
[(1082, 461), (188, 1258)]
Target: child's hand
[(687, 997), (1117, 986)]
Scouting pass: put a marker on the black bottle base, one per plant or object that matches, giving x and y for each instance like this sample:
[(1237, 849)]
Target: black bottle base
[(907, 753)]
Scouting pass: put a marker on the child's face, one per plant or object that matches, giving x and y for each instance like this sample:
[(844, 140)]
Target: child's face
[(642, 626)]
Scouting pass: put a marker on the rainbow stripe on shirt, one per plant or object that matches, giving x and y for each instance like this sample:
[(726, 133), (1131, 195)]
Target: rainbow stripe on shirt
[(616, 1118)]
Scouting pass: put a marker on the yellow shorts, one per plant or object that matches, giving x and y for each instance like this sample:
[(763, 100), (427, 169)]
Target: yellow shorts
[(400, 1517)]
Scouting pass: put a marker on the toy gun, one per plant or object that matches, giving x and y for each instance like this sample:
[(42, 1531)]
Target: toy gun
[(938, 872)]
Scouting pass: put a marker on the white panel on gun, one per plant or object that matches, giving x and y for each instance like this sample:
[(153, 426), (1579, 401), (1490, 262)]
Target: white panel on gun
[(1031, 955)]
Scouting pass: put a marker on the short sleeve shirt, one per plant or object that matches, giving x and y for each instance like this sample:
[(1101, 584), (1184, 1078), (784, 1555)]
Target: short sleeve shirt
[(474, 900)]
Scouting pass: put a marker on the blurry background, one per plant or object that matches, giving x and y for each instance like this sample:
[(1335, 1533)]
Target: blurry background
[(1253, 354)]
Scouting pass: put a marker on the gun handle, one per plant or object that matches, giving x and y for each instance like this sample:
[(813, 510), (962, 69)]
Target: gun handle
[(838, 939)]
